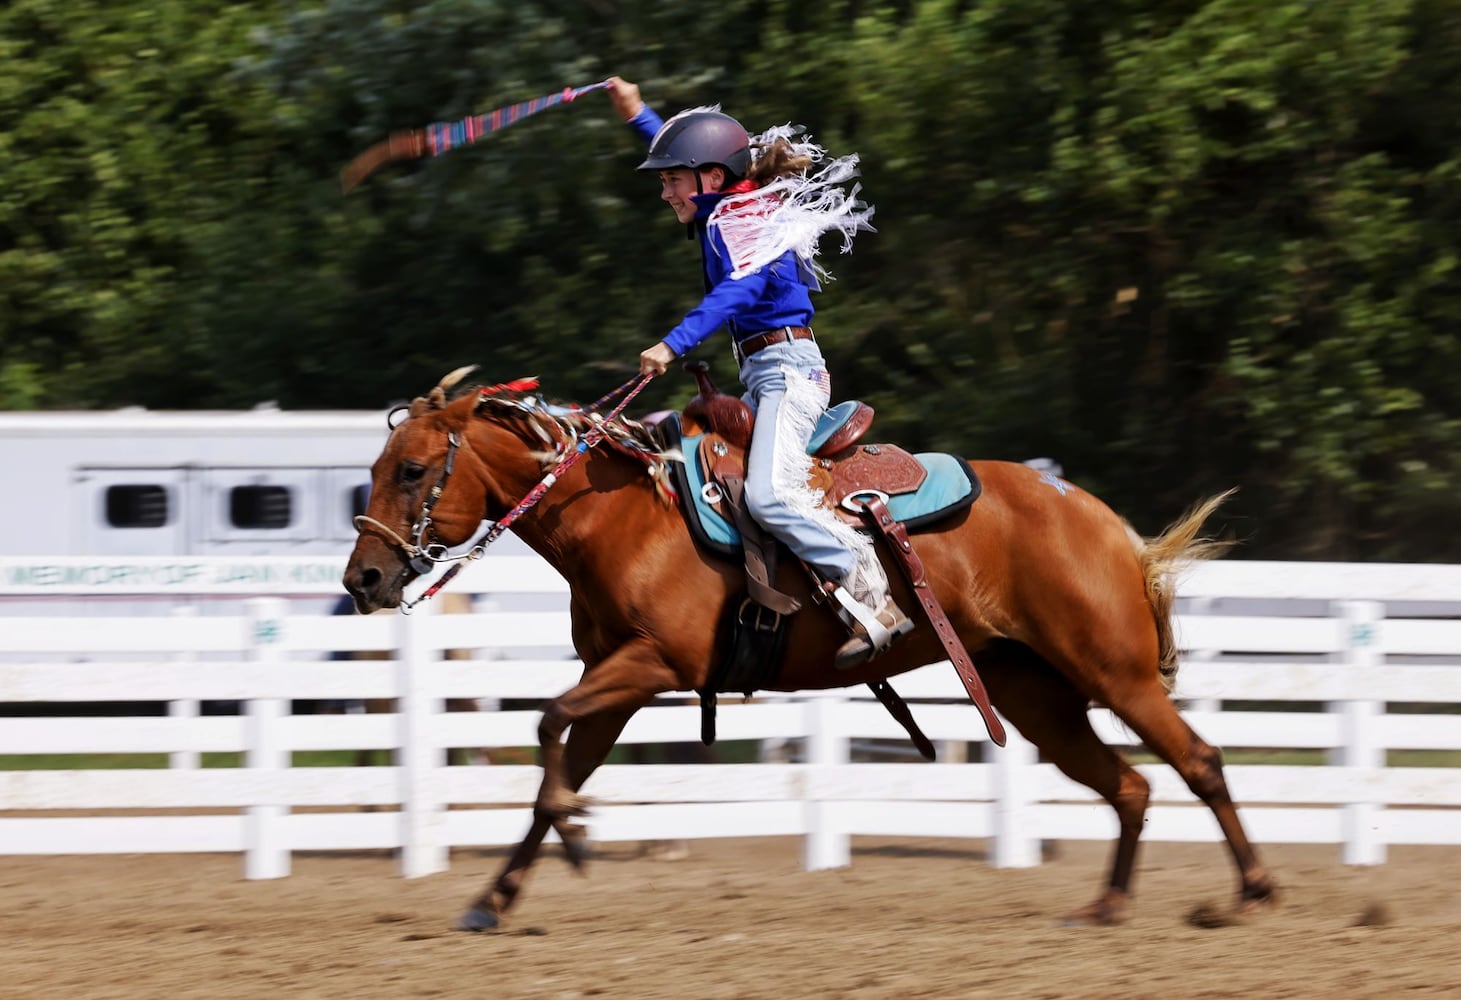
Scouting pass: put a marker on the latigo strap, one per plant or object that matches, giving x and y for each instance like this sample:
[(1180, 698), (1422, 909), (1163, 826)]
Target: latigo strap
[(760, 552), (898, 709), (917, 577)]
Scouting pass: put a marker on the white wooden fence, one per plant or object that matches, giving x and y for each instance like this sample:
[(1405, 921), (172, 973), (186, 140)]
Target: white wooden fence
[(1350, 643)]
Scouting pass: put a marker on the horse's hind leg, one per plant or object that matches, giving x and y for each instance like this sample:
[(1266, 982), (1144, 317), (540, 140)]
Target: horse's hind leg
[(1149, 711), (589, 742), (1051, 713)]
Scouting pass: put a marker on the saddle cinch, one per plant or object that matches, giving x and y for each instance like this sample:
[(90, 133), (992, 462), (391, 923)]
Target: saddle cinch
[(880, 488)]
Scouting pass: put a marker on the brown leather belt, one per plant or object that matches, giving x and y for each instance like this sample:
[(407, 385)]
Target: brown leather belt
[(760, 341)]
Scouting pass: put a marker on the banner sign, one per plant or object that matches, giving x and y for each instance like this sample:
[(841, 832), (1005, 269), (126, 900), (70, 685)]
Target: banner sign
[(90, 576), (252, 576)]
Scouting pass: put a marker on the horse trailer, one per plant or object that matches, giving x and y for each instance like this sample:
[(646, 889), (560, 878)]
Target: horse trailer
[(137, 482)]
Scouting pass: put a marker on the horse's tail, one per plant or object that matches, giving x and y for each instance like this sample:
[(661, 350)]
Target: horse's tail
[(1162, 559)]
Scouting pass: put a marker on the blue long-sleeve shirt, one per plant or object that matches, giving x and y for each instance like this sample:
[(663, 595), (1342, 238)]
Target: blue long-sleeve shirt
[(773, 296)]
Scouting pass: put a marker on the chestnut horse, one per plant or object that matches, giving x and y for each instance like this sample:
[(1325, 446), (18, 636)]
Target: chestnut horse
[(1057, 599)]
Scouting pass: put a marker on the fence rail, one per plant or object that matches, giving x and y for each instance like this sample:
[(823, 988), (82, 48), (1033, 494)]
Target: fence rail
[(1358, 671)]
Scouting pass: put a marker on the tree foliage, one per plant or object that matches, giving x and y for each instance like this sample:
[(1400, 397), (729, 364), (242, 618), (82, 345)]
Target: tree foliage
[(1178, 246)]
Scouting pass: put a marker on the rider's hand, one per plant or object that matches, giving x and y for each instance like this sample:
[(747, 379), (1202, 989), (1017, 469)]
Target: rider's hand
[(656, 360), (625, 96)]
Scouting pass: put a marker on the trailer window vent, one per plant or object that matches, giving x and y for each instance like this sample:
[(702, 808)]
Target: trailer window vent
[(260, 507), (140, 506)]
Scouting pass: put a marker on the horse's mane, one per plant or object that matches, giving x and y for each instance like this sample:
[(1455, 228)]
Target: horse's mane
[(558, 427), (555, 428)]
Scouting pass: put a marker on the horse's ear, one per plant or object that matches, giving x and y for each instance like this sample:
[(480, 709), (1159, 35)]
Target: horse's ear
[(437, 397), (450, 380)]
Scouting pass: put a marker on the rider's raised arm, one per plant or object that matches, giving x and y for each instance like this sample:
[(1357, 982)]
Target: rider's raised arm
[(647, 123), (632, 109)]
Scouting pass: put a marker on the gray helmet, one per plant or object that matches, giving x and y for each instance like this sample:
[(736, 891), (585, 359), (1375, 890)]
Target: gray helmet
[(699, 139)]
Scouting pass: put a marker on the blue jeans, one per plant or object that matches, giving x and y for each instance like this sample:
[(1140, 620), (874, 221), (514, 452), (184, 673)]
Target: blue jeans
[(788, 387)]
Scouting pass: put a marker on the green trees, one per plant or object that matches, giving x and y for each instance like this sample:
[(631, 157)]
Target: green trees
[(113, 119), (1175, 245), (1179, 246)]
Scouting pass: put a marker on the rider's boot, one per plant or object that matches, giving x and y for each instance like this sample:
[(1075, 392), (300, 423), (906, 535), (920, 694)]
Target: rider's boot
[(876, 622)]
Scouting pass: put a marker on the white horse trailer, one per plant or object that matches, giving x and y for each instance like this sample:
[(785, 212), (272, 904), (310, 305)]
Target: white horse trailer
[(148, 483), (112, 486)]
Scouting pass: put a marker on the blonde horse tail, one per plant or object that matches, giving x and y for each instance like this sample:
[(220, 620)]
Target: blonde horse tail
[(1162, 559)]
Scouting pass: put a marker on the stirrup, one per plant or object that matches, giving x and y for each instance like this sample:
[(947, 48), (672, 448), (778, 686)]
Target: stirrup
[(872, 632)]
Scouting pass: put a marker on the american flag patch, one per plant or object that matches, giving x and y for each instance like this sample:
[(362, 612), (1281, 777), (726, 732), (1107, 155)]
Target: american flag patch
[(822, 379)]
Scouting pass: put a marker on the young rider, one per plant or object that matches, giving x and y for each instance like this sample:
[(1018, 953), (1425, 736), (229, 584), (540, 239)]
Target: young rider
[(758, 212)]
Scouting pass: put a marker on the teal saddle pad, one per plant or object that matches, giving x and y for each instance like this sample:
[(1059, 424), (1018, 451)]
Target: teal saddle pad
[(950, 487)]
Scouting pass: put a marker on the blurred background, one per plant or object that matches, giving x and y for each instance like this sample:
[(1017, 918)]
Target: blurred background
[(1174, 246)]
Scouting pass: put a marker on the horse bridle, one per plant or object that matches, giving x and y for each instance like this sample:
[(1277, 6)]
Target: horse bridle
[(430, 554), (423, 556)]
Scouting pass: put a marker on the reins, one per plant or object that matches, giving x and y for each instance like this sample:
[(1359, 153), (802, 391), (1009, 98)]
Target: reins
[(424, 557)]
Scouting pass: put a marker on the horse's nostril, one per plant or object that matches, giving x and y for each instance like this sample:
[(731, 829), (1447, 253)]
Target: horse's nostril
[(369, 579)]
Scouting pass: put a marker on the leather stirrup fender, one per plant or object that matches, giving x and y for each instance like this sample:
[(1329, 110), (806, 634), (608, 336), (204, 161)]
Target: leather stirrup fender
[(912, 567), (760, 554)]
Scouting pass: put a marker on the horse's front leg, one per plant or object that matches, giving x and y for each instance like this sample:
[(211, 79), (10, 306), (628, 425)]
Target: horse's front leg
[(597, 709), (601, 703), (588, 744)]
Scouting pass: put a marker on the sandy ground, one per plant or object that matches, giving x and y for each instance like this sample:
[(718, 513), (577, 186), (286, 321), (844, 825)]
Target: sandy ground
[(739, 919)]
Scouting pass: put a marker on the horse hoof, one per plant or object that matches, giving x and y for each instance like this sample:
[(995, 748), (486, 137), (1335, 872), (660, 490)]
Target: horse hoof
[(476, 919), (667, 850), (575, 844), (1260, 893), (1104, 912)]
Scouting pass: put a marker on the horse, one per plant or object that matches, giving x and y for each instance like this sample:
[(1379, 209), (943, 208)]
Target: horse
[(1058, 600)]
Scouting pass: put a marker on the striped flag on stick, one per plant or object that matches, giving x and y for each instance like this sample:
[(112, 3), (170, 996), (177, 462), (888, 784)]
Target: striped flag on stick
[(441, 137)]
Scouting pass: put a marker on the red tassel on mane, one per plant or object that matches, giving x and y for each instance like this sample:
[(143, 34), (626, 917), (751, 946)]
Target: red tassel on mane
[(516, 385)]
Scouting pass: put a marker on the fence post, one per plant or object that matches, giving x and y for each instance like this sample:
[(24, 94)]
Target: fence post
[(824, 847), (184, 708), (423, 816), (266, 850), (1014, 847), (1363, 843)]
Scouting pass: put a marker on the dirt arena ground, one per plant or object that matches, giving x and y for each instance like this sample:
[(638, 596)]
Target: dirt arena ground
[(739, 919)]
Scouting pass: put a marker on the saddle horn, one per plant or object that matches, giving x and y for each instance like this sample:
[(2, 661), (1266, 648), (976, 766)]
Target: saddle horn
[(713, 410)]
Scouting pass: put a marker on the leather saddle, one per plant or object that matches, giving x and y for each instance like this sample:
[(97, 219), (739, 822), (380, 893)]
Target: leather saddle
[(844, 470), (857, 481)]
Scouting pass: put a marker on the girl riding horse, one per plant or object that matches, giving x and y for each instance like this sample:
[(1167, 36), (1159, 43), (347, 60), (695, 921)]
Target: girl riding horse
[(758, 212)]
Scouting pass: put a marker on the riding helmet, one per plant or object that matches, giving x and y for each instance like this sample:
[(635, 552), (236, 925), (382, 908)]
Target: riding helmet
[(698, 139)]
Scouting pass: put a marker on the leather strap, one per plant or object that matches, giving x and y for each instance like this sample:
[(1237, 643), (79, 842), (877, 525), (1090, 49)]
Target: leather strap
[(760, 556), (898, 709), (917, 577), (760, 341), (708, 702)]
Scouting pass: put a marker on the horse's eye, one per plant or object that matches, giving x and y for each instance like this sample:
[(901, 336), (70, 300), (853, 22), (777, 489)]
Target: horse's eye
[(412, 472)]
